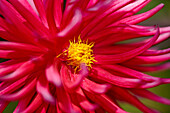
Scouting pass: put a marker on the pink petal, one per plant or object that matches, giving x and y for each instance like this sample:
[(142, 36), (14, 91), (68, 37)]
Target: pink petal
[(41, 11), (3, 105), (19, 46), (132, 99), (82, 101), (21, 93), (43, 90), (9, 69), (24, 102), (53, 76), (148, 59), (6, 35), (95, 87), (105, 102), (64, 101), (156, 52), (116, 15), (137, 8), (26, 68), (113, 5), (141, 17), (92, 2), (36, 102), (10, 62), (8, 88), (58, 12), (130, 72), (73, 26), (118, 58), (149, 95), (103, 75), (150, 68), (32, 19), (16, 19), (66, 77), (50, 16), (12, 54)]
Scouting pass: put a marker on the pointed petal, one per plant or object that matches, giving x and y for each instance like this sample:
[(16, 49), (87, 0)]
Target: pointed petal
[(141, 17), (26, 68), (118, 58), (95, 87), (53, 76), (36, 102), (102, 74), (149, 95), (131, 99), (72, 85), (43, 89), (148, 59), (21, 93)]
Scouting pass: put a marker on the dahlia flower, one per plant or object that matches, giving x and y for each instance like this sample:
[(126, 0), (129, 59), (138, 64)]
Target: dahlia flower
[(67, 56)]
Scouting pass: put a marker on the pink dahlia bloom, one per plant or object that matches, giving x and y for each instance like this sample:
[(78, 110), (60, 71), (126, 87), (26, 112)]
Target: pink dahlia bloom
[(66, 57)]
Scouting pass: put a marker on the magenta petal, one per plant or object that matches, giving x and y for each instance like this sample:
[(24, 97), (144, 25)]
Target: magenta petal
[(96, 88), (115, 16), (160, 67), (101, 74), (132, 99), (148, 59), (24, 69), (92, 2), (88, 106), (23, 103), (6, 35), (105, 102), (19, 46), (8, 88), (130, 72), (149, 95), (3, 105), (141, 17), (83, 101), (72, 26), (50, 16), (41, 11), (37, 41), (53, 75), (58, 12), (20, 94), (16, 19), (32, 19), (4, 70), (66, 75), (156, 52), (115, 5), (36, 102), (64, 101), (118, 58), (43, 90)]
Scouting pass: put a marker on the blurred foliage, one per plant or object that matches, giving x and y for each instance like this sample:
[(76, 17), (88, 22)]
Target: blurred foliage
[(163, 19)]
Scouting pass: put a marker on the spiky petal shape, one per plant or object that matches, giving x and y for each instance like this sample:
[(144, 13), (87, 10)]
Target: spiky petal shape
[(39, 75)]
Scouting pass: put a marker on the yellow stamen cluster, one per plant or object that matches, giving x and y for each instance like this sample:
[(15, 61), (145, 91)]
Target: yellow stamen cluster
[(80, 52)]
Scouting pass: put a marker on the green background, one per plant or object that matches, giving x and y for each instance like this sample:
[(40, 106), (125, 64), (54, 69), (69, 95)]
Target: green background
[(163, 19)]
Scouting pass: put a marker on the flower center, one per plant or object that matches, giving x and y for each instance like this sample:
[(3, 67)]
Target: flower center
[(80, 52)]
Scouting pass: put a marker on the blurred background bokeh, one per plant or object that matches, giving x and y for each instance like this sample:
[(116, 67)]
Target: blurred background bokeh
[(162, 19)]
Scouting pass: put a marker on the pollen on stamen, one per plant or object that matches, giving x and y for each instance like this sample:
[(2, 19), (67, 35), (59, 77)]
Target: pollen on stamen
[(79, 52)]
